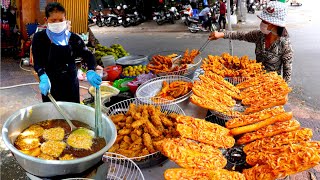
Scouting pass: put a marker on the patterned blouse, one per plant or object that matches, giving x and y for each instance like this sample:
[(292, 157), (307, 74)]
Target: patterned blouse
[(277, 57)]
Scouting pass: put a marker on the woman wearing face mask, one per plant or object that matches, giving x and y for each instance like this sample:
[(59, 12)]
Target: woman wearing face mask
[(54, 52), (273, 47)]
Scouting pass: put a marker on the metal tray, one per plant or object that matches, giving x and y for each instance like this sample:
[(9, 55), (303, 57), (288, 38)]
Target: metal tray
[(132, 60), (150, 88), (123, 106)]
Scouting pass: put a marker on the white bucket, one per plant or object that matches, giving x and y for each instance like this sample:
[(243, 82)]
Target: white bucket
[(108, 60)]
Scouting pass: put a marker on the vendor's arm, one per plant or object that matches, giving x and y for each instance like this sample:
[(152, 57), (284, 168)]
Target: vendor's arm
[(81, 50), (251, 36), (287, 58), (38, 53)]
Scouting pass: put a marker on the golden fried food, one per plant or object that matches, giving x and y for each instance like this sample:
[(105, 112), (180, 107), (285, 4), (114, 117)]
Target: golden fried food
[(33, 131), (142, 125), (270, 130), (220, 80), (267, 77), (254, 117), (165, 64), (80, 139), (266, 103), (189, 58), (189, 154), (32, 152), (192, 174), (67, 157), (147, 141), (277, 141), (232, 66), (53, 148), (220, 87), (253, 127), (46, 157), (173, 90), (27, 143), (204, 90), (290, 155), (55, 134), (117, 118), (213, 105), (205, 132)]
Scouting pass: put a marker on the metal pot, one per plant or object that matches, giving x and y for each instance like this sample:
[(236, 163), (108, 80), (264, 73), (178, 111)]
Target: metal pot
[(25, 117)]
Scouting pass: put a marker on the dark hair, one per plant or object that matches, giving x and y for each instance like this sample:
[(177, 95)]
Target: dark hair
[(282, 32), (54, 7)]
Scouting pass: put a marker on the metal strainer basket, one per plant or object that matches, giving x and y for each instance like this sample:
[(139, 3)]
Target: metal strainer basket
[(121, 167), (150, 88), (123, 106), (189, 71)]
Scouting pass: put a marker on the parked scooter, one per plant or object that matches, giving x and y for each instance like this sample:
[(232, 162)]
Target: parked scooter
[(175, 12), (196, 25), (251, 8), (163, 17), (99, 18), (113, 19), (186, 15)]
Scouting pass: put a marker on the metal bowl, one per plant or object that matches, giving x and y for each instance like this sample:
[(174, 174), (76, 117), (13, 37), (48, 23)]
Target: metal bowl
[(150, 88), (25, 117)]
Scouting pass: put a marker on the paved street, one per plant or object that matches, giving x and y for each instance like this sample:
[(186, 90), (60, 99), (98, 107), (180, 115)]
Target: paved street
[(149, 38)]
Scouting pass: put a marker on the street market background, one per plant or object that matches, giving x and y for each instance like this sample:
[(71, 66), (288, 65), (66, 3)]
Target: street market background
[(149, 38)]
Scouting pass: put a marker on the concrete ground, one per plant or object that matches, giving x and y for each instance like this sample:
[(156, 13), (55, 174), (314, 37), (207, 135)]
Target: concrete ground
[(149, 38)]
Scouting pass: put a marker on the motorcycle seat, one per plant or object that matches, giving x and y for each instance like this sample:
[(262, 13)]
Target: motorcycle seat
[(112, 15), (130, 15)]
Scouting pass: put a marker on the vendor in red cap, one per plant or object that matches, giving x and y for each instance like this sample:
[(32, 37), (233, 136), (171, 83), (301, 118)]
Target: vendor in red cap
[(273, 47)]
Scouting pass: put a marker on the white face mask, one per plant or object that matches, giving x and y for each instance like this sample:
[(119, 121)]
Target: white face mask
[(57, 27), (264, 28)]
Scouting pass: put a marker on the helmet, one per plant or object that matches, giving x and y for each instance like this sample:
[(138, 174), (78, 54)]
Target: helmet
[(118, 7), (124, 6)]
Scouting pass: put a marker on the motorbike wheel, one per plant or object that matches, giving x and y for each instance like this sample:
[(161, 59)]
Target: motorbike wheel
[(192, 27), (125, 25), (100, 24), (159, 22), (172, 20), (114, 23)]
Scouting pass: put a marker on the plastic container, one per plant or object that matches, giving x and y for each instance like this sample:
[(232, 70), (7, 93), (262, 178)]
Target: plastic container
[(122, 84), (108, 60), (113, 72)]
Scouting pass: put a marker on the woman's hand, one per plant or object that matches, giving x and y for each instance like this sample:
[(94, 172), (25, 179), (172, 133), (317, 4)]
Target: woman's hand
[(216, 35)]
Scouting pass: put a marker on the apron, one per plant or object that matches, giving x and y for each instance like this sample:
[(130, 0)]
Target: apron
[(62, 72)]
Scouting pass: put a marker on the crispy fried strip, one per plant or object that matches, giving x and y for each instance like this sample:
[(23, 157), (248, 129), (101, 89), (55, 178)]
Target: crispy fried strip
[(267, 103), (253, 127), (192, 174), (254, 117), (257, 80), (270, 130), (293, 137)]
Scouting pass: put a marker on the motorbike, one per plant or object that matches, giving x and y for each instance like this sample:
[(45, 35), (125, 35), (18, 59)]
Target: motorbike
[(99, 18), (112, 19), (91, 18), (163, 17), (175, 12), (251, 8), (196, 25), (128, 20), (186, 14)]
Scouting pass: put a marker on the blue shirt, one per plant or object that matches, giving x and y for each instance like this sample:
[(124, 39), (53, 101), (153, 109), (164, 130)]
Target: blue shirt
[(61, 39)]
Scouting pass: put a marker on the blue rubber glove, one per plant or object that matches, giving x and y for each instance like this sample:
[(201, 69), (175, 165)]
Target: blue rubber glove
[(93, 78), (44, 84)]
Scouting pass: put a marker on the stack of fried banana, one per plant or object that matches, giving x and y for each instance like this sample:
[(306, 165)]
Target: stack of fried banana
[(262, 92), (196, 150), (232, 66), (214, 93), (173, 90), (139, 127)]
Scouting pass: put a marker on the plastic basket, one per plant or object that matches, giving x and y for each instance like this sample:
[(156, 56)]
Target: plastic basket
[(121, 167), (150, 88)]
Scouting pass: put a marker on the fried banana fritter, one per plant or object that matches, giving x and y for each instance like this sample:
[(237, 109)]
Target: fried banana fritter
[(55, 134)]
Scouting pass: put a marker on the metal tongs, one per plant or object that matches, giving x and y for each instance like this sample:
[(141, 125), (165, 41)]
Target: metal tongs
[(98, 115), (204, 46)]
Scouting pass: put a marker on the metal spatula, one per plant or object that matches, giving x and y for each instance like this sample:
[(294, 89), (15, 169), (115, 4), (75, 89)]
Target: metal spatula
[(98, 115)]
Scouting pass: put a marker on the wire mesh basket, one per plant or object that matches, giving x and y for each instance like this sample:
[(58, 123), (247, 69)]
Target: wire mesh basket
[(236, 80), (188, 72), (123, 106), (121, 167), (150, 88)]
